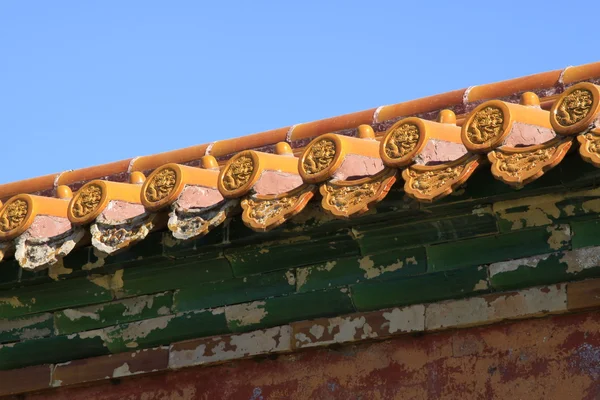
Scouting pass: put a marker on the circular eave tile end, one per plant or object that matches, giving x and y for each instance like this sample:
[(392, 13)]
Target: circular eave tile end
[(88, 203), (321, 158), (163, 187), (486, 127), (403, 142), (575, 110), (16, 216), (239, 174)]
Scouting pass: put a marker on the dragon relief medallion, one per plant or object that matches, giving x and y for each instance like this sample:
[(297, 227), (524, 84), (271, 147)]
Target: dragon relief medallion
[(319, 157), (486, 125), (593, 143), (13, 216), (238, 173), (161, 186), (402, 141), (87, 200), (430, 181), (574, 107)]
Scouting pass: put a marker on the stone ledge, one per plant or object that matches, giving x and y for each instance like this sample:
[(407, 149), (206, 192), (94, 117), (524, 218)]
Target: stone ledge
[(375, 325)]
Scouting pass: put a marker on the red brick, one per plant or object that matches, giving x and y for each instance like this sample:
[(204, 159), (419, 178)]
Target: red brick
[(584, 294), (111, 366), (25, 379)]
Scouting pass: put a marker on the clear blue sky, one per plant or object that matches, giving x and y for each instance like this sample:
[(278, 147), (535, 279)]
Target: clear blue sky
[(89, 82)]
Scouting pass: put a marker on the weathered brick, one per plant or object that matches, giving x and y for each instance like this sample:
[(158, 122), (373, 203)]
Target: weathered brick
[(490, 249), (388, 235), (585, 233), (54, 349), (419, 289), (350, 328), (110, 366), (236, 290), (52, 296), (162, 330), (496, 307), (584, 294), (285, 309), (546, 209), (25, 379), (24, 328), (178, 274), (344, 271), (229, 347), (293, 252), (546, 269), (113, 313)]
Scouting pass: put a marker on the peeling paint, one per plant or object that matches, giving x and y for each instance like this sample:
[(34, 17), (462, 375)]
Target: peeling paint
[(481, 285), (560, 236), (581, 259), (246, 314), (513, 265), (14, 302), (538, 210), (57, 269), (291, 278), (123, 370), (372, 271), (405, 319), (110, 281), (75, 314)]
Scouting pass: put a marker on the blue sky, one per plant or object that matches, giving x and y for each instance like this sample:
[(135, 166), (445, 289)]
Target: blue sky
[(89, 82)]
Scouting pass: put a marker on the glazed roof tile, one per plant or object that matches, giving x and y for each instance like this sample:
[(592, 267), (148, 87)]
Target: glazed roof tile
[(522, 127)]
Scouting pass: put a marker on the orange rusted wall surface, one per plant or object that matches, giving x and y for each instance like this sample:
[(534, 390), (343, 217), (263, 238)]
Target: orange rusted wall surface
[(550, 358)]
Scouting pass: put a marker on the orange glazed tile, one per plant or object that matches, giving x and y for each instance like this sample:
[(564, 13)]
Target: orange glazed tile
[(581, 72), (316, 128), (230, 146), (94, 172), (422, 105), (36, 184), (506, 88), (18, 213), (180, 156)]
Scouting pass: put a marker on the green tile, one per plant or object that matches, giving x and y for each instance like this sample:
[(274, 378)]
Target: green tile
[(585, 233), (51, 296), (546, 269), (386, 265), (26, 328), (385, 235), (282, 310), (163, 330), (289, 253), (236, 290), (176, 274), (50, 350), (113, 313), (419, 289), (490, 249), (9, 273)]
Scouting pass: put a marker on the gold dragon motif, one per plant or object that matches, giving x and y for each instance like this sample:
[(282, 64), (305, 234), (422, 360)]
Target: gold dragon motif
[(344, 198), (265, 210), (402, 141), (574, 107), (516, 164), (238, 173), (593, 143), (320, 156), (430, 181), (13, 216), (87, 200), (162, 185), (486, 125)]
